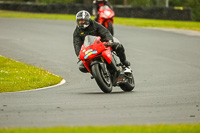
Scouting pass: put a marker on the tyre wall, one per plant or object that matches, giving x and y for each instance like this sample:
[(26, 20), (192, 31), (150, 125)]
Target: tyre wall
[(120, 11)]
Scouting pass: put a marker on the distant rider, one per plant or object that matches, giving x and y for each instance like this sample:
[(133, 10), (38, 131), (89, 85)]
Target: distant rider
[(96, 5), (87, 26)]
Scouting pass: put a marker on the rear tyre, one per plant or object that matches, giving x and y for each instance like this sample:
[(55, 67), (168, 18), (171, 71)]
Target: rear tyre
[(103, 80), (110, 28), (130, 84)]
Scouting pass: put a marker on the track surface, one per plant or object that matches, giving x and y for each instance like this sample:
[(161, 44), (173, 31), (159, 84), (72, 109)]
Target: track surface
[(166, 67)]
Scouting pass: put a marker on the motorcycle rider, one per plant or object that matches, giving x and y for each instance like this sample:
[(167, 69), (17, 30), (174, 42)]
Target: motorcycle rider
[(97, 4), (87, 26)]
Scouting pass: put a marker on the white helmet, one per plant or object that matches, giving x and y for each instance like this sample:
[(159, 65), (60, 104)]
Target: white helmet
[(83, 19)]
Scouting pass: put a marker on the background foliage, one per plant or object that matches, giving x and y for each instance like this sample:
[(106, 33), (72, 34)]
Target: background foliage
[(194, 4)]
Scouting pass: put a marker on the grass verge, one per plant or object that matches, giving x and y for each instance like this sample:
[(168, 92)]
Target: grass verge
[(16, 76), (179, 128), (187, 25)]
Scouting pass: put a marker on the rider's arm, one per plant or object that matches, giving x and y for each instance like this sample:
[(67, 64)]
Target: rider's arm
[(94, 10), (77, 42), (108, 3), (103, 32)]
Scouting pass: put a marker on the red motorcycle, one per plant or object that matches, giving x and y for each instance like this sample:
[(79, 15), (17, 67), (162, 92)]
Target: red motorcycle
[(105, 66), (106, 17)]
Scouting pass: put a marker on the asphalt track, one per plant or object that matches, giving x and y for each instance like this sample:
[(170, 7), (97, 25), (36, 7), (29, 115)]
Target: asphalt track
[(166, 68)]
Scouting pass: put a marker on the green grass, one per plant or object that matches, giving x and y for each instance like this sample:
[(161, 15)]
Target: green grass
[(16, 14), (186, 25), (123, 21), (186, 128), (16, 76)]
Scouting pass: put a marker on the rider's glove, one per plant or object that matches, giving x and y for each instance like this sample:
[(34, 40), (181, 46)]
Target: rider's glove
[(108, 44)]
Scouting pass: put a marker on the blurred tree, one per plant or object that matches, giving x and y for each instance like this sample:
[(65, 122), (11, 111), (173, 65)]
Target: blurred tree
[(194, 4), (177, 2), (57, 1), (87, 1), (116, 2), (125, 2), (78, 1), (142, 2)]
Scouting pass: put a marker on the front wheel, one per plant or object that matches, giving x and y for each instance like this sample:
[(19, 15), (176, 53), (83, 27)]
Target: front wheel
[(110, 27), (103, 80), (130, 83)]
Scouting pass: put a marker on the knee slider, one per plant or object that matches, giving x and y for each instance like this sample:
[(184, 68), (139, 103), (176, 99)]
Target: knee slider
[(83, 69)]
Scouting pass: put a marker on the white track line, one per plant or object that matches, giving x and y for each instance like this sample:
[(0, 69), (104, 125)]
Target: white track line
[(61, 83), (180, 31)]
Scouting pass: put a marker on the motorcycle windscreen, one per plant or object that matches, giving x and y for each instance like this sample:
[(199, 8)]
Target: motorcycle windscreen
[(105, 7), (89, 40)]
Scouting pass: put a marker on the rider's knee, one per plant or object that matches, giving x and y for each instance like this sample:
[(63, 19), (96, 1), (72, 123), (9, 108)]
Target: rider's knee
[(82, 68), (118, 47)]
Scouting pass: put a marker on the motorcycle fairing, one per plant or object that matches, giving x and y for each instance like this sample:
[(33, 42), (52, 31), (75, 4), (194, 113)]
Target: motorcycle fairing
[(105, 12), (107, 55), (105, 23), (105, 15), (88, 53), (87, 64), (91, 49)]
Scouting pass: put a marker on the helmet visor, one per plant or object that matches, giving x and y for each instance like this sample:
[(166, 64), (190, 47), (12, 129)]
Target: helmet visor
[(83, 23)]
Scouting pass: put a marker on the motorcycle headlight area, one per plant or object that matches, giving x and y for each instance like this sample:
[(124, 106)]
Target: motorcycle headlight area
[(107, 13), (89, 52)]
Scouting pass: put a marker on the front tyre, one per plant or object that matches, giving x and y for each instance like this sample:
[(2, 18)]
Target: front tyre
[(103, 80), (110, 27), (130, 83)]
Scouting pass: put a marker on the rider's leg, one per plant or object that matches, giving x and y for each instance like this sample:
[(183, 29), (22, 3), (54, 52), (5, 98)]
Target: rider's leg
[(82, 68), (121, 53)]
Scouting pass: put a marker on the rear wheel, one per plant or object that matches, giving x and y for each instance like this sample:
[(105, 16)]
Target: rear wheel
[(103, 80), (130, 84)]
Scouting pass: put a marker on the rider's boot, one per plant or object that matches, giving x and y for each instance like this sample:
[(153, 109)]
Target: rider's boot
[(126, 63)]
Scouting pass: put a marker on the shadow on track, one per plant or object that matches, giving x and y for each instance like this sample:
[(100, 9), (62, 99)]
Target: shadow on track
[(101, 93)]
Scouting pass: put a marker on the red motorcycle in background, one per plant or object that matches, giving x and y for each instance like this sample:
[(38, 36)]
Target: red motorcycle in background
[(105, 65), (106, 17)]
